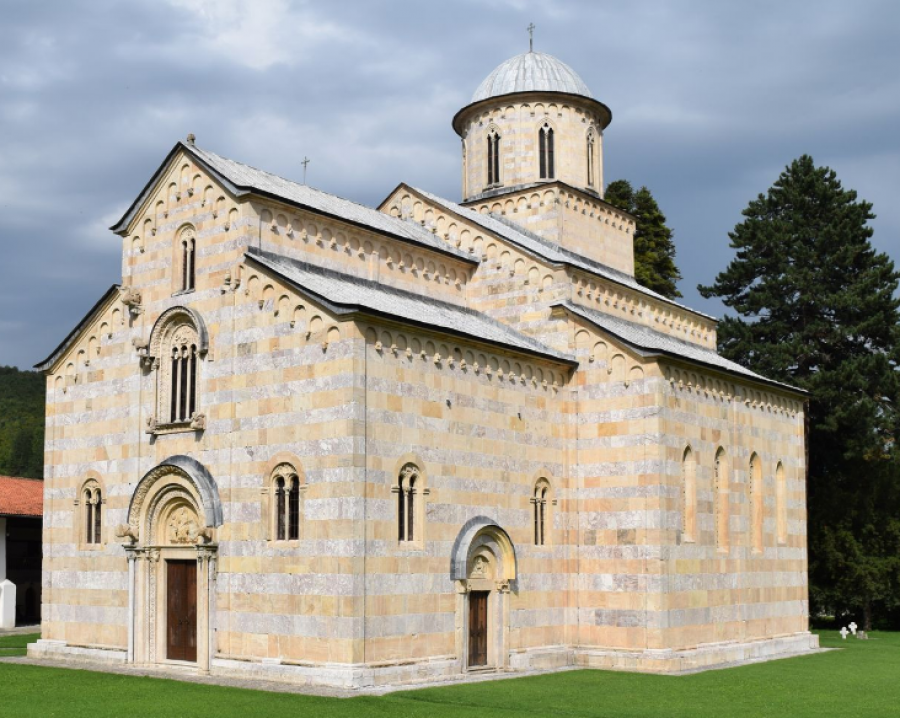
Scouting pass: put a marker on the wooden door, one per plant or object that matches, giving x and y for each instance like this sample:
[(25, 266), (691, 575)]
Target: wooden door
[(478, 602), (181, 613)]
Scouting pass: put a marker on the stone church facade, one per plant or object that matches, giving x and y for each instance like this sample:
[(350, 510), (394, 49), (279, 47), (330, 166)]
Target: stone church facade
[(313, 441)]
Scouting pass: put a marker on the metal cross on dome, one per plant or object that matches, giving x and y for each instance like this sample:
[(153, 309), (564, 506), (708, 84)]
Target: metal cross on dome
[(530, 29)]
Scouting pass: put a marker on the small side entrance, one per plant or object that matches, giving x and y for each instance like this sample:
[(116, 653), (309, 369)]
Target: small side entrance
[(478, 603), (181, 610)]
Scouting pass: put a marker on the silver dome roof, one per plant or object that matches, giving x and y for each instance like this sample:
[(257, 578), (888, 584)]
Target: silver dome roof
[(529, 72)]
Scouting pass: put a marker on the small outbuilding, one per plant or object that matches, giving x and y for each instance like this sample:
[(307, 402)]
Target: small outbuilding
[(21, 517)]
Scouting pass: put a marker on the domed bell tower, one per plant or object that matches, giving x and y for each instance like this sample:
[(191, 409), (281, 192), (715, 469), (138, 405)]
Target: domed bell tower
[(532, 153)]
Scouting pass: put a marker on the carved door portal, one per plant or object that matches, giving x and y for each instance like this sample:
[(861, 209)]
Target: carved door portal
[(181, 610), (478, 601)]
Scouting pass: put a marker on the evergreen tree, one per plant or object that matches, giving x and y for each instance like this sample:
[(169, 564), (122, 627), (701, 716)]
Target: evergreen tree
[(22, 397), (817, 308), (654, 250)]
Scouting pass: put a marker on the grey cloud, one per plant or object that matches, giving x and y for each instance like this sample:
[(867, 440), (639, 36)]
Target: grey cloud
[(710, 101)]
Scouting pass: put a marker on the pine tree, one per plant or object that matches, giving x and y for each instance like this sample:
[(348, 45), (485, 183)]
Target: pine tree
[(654, 249), (817, 308)]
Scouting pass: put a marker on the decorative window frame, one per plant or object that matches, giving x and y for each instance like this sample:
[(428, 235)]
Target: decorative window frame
[(721, 498), (94, 487), (757, 514), (549, 153), (590, 153), (410, 488), (284, 469), (176, 326), (493, 158), (184, 279), (689, 495), (542, 502)]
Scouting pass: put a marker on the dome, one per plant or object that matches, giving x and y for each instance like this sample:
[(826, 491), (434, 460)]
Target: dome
[(530, 72)]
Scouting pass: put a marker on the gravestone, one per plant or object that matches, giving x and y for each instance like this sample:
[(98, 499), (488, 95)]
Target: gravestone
[(844, 633)]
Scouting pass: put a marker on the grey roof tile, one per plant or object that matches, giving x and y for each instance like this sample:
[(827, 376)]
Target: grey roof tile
[(343, 293), (548, 250), (647, 339)]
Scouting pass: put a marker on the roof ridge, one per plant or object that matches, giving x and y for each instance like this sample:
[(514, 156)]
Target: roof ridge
[(283, 179), (403, 293)]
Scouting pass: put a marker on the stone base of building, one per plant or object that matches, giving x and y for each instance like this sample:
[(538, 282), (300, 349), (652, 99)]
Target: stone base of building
[(62, 651), (700, 658), (384, 676)]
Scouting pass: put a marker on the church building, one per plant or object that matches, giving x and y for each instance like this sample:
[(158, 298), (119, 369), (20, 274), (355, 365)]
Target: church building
[(312, 441)]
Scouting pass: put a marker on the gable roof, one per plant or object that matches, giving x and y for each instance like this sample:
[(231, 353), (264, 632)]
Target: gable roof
[(73, 335), (549, 251), (240, 180), (649, 342), (344, 294), (21, 497)]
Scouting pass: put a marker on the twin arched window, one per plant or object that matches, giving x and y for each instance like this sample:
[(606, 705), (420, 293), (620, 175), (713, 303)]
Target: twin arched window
[(92, 514), (493, 158), (177, 343), (286, 487), (540, 501), (409, 491), (545, 152)]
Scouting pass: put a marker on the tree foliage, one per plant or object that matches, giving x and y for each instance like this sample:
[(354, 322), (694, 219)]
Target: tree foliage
[(654, 249), (817, 307), (22, 398)]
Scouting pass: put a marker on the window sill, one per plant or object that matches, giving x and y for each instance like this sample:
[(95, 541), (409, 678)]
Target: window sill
[(178, 427), (181, 292)]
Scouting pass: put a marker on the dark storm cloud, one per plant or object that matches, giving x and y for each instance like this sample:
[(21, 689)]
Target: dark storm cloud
[(710, 101)]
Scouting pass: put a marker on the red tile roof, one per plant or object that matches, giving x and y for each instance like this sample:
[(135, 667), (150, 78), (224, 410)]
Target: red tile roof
[(21, 497)]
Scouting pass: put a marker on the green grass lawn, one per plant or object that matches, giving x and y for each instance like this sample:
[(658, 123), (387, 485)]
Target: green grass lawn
[(862, 680), (15, 645)]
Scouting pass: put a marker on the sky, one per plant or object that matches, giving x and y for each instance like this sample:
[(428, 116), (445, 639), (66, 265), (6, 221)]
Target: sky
[(710, 100)]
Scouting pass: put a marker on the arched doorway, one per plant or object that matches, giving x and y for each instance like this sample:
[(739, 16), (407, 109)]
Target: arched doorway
[(483, 566), (171, 553)]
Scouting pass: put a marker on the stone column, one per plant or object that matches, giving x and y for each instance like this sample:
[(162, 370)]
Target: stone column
[(205, 600), (131, 555), (7, 587)]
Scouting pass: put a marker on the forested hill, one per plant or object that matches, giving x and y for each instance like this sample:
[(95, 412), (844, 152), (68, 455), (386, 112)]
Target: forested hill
[(22, 396)]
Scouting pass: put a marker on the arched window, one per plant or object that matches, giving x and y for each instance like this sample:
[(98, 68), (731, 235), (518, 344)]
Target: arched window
[(177, 343), (545, 152), (590, 158), (409, 490), (493, 158), (781, 502), (689, 495), (187, 242), (721, 500), (287, 487), (92, 514), (756, 507), (540, 500)]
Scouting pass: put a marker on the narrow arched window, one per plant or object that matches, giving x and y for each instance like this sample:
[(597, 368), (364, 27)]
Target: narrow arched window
[(545, 152), (689, 495), (294, 509), (539, 500), (92, 503), (721, 500), (280, 510), (493, 158), (409, 491), (188, 258), (756, 508), (781, 502), (590, 159)]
